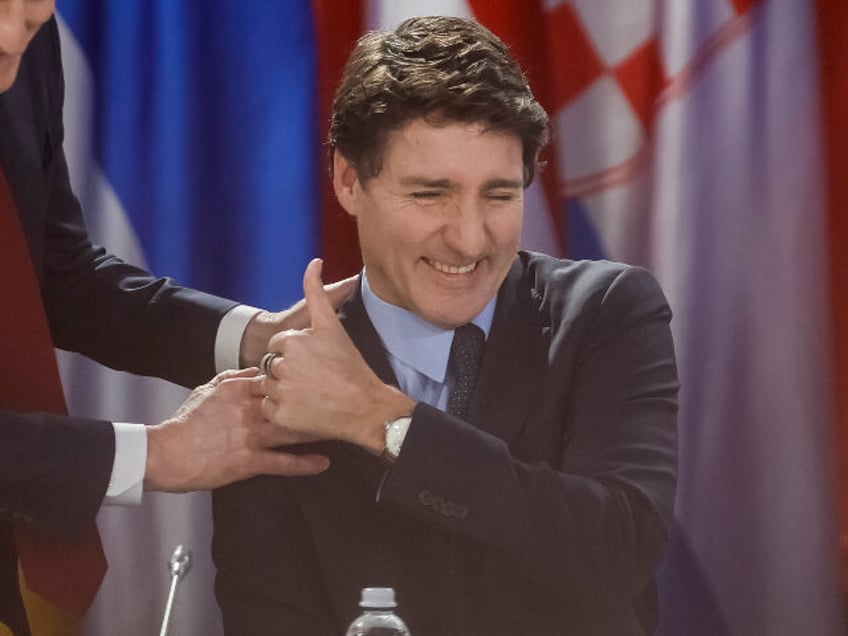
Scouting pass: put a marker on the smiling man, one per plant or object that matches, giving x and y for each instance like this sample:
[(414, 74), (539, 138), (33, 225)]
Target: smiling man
[(501, 424)]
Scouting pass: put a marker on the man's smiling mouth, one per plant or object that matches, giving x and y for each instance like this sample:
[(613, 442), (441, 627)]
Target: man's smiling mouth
[(445, 268)]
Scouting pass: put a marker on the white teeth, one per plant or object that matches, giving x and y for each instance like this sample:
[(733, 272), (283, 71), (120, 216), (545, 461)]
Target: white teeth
[(454, 269)]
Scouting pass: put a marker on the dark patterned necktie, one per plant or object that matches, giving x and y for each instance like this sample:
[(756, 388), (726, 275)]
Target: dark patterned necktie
[(466, 352)]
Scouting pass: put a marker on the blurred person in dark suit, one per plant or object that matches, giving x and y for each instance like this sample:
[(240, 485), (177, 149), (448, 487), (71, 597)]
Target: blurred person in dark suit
[(60, 290)]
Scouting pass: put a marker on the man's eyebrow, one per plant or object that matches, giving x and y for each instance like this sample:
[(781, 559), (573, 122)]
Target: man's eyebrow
[(512, 184), (447, 184), (424, 182)]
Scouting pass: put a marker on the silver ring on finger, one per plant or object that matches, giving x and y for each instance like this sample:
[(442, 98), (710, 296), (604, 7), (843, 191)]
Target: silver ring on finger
[(265, 364)]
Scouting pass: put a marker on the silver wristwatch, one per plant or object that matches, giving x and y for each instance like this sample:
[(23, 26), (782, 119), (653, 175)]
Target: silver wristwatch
[(395, 434)]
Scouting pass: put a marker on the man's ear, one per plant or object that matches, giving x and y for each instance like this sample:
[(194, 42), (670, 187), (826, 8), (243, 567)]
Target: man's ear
[(345, 183)]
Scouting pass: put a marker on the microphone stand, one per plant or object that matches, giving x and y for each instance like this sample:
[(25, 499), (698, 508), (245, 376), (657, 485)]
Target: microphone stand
[(178, 565)]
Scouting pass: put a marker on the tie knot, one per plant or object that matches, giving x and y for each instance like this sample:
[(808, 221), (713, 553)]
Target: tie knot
[(468, 342), (466, 351)]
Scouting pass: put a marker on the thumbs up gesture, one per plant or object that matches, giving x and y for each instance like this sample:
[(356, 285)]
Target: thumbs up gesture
[(321, 386)]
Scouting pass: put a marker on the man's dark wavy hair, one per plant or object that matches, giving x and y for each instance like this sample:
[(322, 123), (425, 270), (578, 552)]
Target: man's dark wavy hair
[(441, 69)]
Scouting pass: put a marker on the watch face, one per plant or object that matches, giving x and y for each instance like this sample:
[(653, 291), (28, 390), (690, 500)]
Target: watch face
[(395, 434)]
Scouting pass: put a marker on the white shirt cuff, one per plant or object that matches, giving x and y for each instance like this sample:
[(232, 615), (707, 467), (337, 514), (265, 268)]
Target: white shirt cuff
[(230, 332), (127, 481)]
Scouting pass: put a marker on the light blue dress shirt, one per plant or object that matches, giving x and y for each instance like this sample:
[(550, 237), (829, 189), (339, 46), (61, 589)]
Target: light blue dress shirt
[(418, 351)]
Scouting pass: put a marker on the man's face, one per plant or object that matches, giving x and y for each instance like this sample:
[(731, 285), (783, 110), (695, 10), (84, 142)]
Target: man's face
[(440, 225), (19, 22)]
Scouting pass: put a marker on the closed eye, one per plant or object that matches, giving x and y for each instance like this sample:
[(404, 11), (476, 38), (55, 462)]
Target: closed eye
[(424, 195), (501, 196)]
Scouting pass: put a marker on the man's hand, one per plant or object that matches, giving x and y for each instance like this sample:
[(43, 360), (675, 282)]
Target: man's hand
[(265, 324), (219, 436), (324, 388)]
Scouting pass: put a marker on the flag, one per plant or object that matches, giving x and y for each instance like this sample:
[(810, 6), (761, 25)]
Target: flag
[(721, 194), (192, 139)]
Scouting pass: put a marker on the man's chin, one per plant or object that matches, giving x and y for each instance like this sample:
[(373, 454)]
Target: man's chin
[(451, 320)]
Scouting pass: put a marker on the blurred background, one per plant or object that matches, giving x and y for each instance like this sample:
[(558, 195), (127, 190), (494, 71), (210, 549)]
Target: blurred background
[(703, 139)]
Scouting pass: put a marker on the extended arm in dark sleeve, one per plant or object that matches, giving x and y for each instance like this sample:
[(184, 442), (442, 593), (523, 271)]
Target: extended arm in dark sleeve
[(97, 304), (119, 314), (55, 470)]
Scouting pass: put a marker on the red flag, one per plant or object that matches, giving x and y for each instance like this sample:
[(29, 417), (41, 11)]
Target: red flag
[(54, 576)]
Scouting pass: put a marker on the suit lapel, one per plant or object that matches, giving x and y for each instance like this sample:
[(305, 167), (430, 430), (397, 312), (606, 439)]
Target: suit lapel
[(513, 360), (358, 325), (355, 320)]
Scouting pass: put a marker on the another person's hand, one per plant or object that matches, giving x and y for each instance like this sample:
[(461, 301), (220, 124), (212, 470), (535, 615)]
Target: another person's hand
[(321, 386), (265, 324), (219, 436)]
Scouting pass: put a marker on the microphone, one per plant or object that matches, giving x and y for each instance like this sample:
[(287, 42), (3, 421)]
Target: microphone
[(178, 566)]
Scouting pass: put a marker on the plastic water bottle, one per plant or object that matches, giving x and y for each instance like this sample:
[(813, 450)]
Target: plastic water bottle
[(378, 616)]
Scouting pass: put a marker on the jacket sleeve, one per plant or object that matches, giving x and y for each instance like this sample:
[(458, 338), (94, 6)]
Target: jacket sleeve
[(589, 522), (54, 471), (98, 305), (116, 313)]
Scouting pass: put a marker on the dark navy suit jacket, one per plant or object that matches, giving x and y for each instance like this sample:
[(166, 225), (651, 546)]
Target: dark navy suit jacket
[(54, 470), (546, 513)]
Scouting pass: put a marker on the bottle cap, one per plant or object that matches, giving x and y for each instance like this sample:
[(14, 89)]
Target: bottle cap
[(378, 597)]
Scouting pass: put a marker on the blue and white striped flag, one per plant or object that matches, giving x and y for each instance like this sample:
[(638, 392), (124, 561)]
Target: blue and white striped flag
[(191, 135)]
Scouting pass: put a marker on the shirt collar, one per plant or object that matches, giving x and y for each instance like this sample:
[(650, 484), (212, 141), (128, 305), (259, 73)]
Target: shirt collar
[(413, 340)]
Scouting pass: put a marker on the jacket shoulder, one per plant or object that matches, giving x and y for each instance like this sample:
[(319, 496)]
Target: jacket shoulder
[(556, 283), (40, 75)]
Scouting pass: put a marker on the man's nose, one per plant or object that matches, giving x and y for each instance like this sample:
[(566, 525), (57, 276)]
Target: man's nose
[(14, 31), (465, 232)]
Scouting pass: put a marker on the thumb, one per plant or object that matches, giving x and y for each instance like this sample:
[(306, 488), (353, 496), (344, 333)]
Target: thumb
[(321, 312)]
